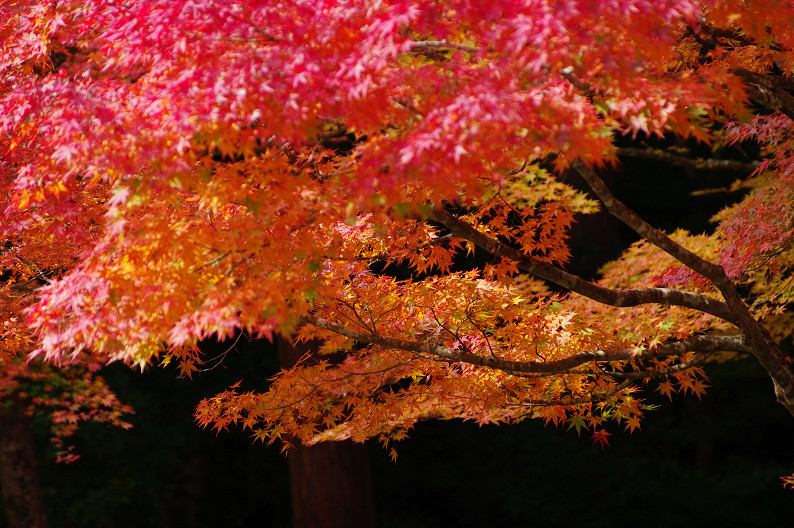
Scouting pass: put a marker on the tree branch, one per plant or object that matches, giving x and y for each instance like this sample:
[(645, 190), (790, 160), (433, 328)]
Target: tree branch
[(704, 344), (711, 271), (611, 297), (442, 44), (695, 163), (761, 343)]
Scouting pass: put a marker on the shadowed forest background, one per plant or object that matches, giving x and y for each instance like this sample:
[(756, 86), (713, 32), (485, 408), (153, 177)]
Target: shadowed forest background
[(714, 462)]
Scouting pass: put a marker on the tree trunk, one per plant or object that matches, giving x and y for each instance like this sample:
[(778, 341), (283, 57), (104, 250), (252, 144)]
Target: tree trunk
[(18, 476), (329, 482)]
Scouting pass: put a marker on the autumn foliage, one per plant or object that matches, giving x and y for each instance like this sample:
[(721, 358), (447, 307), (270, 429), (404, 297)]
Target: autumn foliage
[(322, 168), (73, 392)]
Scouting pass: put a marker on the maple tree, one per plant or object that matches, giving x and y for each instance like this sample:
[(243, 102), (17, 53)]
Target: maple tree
[(262, 166)]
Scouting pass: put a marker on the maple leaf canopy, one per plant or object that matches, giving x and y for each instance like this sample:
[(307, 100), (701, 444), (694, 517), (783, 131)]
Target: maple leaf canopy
[(320, 168), (69, 394)]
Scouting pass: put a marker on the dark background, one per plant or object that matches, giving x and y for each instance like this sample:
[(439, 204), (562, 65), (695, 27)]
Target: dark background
[(715, 462)]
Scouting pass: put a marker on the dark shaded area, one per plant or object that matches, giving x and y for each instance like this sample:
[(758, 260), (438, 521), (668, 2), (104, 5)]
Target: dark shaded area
[(167, 471), (330, 486), (24, 507), (715, 462)]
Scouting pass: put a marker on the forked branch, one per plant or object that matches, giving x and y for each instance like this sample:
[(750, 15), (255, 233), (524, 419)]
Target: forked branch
[(760, 342)]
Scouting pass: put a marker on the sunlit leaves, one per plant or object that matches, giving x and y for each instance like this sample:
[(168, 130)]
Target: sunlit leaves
[(194, 170)]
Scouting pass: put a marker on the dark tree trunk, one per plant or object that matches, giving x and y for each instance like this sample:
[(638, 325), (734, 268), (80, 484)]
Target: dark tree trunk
[(329, 482), (18, 476)]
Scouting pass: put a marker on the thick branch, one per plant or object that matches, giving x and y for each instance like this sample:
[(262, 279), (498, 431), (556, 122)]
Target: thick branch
[(705, 344), (711, 271), (611, 297), (761, 343)]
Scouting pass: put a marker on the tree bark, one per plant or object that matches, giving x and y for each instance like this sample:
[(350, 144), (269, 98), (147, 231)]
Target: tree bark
[(19, 479), (329, 482)]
